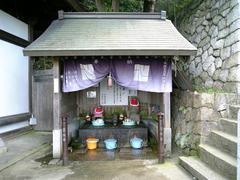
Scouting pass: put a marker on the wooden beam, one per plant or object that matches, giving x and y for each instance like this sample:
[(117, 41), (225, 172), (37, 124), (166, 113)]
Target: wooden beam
[(167, 109), (77, 5), (56, 94), (5, 36)]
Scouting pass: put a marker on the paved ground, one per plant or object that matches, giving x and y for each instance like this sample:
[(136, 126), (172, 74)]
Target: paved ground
[(29, 166)]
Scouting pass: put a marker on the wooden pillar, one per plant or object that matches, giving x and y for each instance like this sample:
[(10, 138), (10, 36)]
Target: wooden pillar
[(161, 153), (167, 123), (57, 127)]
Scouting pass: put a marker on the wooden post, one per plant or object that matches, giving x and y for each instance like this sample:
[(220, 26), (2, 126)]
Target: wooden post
[(167, 109), (167, 123), (57, 147), (65, 139), (160, 138)]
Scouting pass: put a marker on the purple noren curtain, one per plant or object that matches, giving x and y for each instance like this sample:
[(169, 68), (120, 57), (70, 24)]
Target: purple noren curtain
[(82, 74), (152, 75)]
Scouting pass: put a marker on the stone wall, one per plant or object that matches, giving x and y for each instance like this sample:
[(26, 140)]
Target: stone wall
[(214, 28), (195, 115)]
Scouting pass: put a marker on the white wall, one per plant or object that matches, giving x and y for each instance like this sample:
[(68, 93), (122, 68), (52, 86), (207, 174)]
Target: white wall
[(13, 26), (14, 69)]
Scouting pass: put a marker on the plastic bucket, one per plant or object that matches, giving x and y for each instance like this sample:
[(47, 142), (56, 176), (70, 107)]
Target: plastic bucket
[(92, 143)]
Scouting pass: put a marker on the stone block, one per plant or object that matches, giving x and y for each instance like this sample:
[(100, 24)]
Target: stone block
[(233, 15), (232, 38), (235, 47), (218, 62), (231, 87), (234, 74), (223, 75), (208, 114), (232, 61), (225, 53), (207, 99)]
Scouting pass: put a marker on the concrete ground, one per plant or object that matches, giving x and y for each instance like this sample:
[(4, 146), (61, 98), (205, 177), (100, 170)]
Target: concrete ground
[(31, 165)]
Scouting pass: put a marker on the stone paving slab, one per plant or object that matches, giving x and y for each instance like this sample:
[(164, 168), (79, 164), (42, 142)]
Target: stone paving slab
[(23, 146)]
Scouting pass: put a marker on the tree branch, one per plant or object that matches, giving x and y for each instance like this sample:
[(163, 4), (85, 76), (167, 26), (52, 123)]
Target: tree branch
[(77, 6)]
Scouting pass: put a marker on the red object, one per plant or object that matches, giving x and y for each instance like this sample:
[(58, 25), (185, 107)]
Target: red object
[(134, 102), (98, 112)]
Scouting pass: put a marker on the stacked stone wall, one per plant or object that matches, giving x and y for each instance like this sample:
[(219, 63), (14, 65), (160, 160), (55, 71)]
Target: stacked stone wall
[(214, 28), (195, 115)]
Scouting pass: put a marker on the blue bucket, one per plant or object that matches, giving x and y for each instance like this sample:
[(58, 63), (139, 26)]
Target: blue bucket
[(110, 143), (136, 143)]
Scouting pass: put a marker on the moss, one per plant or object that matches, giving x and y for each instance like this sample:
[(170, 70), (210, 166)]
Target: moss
[(182, 109), (208, 90)]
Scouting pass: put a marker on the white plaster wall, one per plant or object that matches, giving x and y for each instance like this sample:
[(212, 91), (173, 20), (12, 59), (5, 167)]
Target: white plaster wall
[(14, 69), (13, 26)]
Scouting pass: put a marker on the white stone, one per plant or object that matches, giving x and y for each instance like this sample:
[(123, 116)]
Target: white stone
[(211, 69), (225, 53), (213, 31), (216, 74), (199, 52), (232, 61), (199, 29), (223, 33), (204, 56), (225, 12), (216, 53), (216, 19), (233, 15), (208, 62), (207, 46), (209, 82), (219, 44), (204, 34), (205, 41), (198, 70), (234, 74), (235, 48), (232, 38), (222, 24), (197, 60), (223, 75), (192, 67), (235, 25), (218, 62), (210, 51), (57, 143)]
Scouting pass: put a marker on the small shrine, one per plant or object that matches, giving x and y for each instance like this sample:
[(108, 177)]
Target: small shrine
[(112, 75)]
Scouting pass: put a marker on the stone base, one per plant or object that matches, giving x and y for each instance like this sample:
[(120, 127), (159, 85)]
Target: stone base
[(57, 143), (3, 147)]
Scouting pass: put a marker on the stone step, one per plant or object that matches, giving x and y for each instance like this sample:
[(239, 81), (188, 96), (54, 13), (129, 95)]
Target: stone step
[(224, 142), (229, 126), (233, 111), (219, 161), (199, 169)]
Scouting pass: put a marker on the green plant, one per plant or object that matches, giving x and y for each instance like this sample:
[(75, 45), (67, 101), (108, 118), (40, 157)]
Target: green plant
[(182, 109)]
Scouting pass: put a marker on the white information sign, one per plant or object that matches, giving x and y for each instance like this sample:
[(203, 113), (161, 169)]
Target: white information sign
[(115, 95)]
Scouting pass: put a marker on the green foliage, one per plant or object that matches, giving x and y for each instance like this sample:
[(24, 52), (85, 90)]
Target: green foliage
[(173, 7), (182, 109), (153, 144), (208, 90), (42, 63), (125, 5)]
